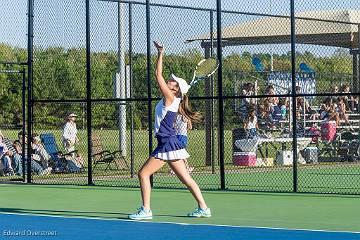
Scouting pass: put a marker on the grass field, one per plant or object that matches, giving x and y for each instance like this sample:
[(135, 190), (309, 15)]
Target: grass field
[(341, 177)]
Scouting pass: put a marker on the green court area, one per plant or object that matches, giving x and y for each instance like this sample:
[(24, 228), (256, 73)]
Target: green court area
[(275, 210)]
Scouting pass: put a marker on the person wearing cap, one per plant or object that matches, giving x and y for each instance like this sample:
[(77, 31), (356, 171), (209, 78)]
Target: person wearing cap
[(169, 149), (69, 137)]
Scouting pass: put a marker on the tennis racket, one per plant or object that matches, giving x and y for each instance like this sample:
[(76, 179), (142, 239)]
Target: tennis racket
[(204, 69)]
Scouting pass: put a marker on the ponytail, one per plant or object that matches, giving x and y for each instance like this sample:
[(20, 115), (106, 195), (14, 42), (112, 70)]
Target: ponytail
[(186, 111)]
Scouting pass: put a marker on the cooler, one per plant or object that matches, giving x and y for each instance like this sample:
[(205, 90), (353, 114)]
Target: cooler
[(284, 157), (311, 154), (244, 158)]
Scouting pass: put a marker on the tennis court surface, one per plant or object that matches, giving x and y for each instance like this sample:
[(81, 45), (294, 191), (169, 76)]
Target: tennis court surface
[(74, 212)]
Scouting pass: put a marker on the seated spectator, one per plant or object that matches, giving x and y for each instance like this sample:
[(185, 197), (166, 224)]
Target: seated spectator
[(303, 105), (251, 124), (270, 90), (334, 90), (283, 105), (266, 113), (348, 100), (328, 112), (17, 159), (5, 156), (300, 130), (248, 90), (40, 151), (341, 109)]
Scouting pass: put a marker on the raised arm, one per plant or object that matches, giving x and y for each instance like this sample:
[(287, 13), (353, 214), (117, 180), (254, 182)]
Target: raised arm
[(168, 95)]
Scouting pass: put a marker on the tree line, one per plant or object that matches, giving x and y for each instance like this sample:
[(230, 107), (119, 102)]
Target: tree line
[(60, 74)]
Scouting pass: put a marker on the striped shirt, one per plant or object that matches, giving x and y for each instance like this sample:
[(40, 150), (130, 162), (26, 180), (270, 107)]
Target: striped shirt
[(9, 145)]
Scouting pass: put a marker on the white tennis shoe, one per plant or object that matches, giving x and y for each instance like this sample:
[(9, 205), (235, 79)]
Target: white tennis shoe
[(141, 214)]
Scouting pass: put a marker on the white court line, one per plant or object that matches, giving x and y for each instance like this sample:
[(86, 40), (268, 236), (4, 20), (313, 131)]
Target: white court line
[(177, 223)]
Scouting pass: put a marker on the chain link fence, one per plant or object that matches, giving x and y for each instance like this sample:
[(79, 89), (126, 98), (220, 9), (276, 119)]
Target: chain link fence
[(290, 111), (13, 55)]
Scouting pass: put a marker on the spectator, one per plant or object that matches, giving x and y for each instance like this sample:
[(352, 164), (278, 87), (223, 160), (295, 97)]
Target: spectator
[(5, 156), (328, 111), (334, 90), (283, 105), (248, 90), (17, 158), (300, 130), (348, 100), (303, 105), (266, 113), (40, 151), (341, 109), (69, 137), (251, 124), (270, 90)]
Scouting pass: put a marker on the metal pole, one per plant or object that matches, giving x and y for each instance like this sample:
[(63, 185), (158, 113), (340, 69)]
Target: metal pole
[(358, 71), (271, 49), (121, 86), (30, 77), (23, 112), (220, 95), (132, 146), (357, 54), (212, 94), (208, 122), (148, 76), (293, 93), (88, 93)]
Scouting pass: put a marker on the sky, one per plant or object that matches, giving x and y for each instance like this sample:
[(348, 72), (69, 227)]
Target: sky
[(62, 22)]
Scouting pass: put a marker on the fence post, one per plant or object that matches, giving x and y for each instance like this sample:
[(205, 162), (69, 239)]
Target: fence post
[(293, 94), (148, 76), (23, 112), (132, 146), (30, 78), (220, 95), (88, 92)]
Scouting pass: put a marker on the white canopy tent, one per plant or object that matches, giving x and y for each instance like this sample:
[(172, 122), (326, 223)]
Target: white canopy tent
[(338, 28)]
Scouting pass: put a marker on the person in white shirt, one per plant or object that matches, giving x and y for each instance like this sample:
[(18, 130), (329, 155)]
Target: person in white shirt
[(251, 123), (69, 137)]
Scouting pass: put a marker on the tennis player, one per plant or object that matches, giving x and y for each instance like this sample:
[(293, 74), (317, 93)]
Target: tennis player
[(169, 150)]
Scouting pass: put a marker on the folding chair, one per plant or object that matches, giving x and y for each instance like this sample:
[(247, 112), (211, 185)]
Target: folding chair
[(101, 156), (59, 158), (349, 149)]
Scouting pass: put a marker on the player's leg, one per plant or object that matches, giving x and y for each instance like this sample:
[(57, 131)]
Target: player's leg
[(150, 167), (180, 170)]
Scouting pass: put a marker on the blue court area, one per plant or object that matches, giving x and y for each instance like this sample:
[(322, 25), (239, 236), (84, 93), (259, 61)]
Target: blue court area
[(16, 226)]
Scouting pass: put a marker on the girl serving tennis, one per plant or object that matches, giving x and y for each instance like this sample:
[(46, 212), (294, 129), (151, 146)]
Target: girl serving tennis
[(169, 150)]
